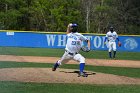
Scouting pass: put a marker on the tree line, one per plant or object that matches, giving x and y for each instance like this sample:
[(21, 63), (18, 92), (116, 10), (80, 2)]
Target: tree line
[(92, 16)]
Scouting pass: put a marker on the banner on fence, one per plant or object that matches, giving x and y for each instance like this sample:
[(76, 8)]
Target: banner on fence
[(42, 40)]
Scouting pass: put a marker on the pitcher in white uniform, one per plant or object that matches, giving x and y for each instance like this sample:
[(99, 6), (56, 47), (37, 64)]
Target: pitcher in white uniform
[(111, 37), (73, 46)]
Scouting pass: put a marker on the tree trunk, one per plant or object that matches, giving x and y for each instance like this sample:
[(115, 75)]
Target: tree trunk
[(45, 22)]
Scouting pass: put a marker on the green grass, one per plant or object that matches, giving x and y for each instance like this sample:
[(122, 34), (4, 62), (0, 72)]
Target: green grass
[(17, 87), (59, 53), (122, 71)]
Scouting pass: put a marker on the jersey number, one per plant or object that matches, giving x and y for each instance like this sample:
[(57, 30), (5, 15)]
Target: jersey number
[(75, 43)]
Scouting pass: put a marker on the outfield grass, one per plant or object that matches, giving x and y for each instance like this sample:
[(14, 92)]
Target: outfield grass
[(17, 87), (122, 71), (59, 53)]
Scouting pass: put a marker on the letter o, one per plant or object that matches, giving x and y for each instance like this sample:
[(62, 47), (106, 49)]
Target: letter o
[(97, 41)]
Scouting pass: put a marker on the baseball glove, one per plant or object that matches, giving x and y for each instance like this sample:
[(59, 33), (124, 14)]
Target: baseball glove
[(85, 48), (119, 44)]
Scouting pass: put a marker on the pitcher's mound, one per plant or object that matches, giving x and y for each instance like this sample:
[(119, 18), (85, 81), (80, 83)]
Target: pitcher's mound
[(46, 75)]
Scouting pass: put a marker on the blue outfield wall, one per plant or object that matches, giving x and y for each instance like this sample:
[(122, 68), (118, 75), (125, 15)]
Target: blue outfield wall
[(44, 40)]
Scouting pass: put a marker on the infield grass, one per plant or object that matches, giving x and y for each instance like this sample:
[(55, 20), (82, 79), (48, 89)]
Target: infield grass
[(59, 52), (18, 87)]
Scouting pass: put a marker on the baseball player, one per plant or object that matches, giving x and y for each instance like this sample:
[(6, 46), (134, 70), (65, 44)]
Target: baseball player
[(73, 46), (111, 37)]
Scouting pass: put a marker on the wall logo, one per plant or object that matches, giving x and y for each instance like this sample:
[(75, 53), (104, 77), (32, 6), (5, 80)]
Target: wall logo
[(130, 44)]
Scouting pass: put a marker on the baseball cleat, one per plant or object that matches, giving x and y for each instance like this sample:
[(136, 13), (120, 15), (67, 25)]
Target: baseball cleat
[(53, 69), (82, 74), (55, 66)]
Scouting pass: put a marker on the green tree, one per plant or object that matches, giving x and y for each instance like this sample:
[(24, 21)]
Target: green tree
[(94, 16)]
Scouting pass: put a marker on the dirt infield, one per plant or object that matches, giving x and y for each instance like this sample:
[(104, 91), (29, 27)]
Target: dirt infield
[(45, 75)]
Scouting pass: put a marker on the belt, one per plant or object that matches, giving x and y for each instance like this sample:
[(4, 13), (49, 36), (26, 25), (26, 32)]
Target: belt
[(71, 53), (111, 41)]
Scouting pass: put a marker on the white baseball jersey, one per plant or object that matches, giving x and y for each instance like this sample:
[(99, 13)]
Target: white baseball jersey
[(74, 42), (111, 37)]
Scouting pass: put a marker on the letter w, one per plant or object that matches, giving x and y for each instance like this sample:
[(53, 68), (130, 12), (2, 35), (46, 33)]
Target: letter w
[(50, 39)]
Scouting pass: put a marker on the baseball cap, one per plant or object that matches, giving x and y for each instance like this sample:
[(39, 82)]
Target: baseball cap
[(73, 25)]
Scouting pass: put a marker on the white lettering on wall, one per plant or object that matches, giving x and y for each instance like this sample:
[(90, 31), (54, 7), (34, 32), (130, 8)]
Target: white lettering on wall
[(103, 44), (97, 42), (51, 39), (62, 40), (9, 33)]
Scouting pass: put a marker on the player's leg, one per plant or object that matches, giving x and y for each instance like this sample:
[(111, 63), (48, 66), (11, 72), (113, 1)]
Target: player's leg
[(81, 59), (65, 58), (110, 49), (114, 49)]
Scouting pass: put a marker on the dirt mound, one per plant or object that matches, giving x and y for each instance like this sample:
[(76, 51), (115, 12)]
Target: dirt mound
[(45, 75)]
